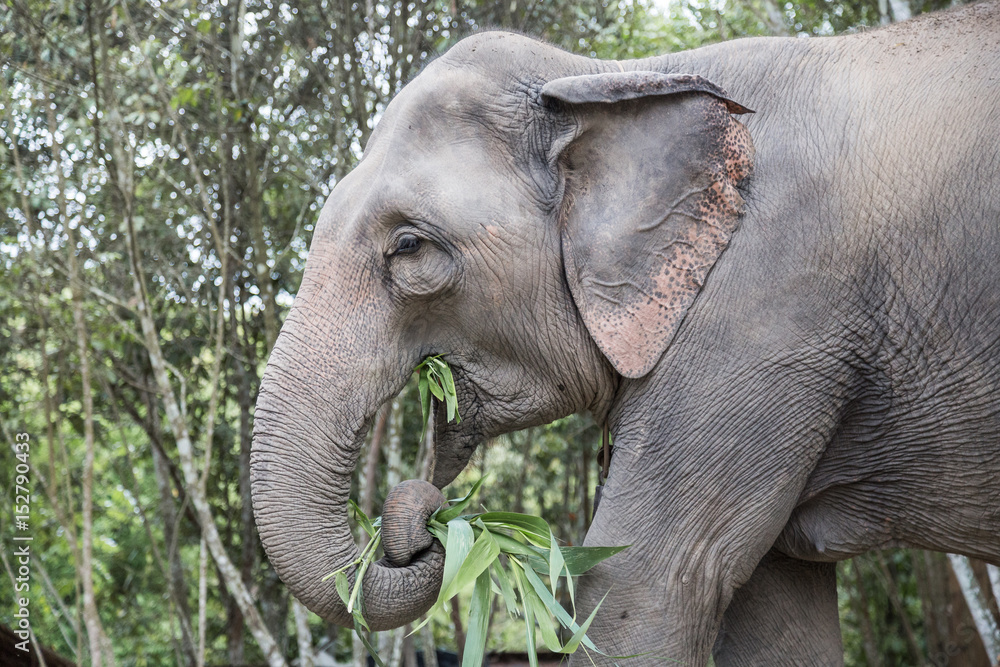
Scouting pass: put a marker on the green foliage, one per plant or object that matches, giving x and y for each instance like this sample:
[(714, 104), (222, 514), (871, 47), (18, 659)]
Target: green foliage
[(434, 378), (491, 549)]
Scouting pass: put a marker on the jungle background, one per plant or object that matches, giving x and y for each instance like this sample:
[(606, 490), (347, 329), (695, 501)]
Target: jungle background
[(161, 168)]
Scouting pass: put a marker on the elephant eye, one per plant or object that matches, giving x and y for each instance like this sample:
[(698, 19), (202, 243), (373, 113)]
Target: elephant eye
[(407, 244)]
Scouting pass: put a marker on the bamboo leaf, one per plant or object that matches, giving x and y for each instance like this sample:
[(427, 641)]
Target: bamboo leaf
[(425, 399), (569, 589), (362, 518), (556, 562), (535, 529), (364, 640), (436, 390), (340, 581), (479, 558), (529, 618), (457, 507), (479, 619), (554, 607), (580, 559), (581, 633), (545, 624), (505, 588), (458, 546), (509, 545)]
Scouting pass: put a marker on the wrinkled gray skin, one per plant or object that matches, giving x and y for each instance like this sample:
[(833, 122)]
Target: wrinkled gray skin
[(834, 388)]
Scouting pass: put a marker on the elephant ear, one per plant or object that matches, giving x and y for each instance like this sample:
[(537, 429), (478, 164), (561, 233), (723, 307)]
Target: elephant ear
[(649, 203)]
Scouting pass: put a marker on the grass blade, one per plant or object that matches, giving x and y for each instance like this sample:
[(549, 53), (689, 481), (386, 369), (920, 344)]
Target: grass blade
[(479, 619)]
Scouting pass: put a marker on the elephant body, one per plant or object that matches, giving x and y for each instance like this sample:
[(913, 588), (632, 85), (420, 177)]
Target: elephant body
[(790, 321)]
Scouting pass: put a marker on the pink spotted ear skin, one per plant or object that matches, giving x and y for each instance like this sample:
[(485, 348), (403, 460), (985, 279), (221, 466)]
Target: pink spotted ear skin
[(634, 292)]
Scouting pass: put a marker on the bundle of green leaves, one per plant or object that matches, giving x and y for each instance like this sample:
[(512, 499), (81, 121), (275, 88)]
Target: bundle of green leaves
[(508, 554)]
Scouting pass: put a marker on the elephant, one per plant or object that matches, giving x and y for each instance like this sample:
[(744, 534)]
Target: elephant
[(771, 266)]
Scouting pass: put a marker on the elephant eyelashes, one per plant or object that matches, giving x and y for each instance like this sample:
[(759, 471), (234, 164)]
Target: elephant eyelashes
[(407, 244)]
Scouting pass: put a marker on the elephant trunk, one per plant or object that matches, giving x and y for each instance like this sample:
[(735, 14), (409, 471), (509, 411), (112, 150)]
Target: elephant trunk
[(312, 415)]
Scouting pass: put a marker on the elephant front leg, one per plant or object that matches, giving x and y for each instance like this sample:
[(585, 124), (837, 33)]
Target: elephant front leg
[(666, 593), (700, 503), (786, 614), (663, 598)]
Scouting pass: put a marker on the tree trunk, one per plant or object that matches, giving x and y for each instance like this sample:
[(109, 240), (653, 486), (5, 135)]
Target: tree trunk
[(994, 573), (974, 596), (429, 645), (900, 10), (100, 646), (302, 634)]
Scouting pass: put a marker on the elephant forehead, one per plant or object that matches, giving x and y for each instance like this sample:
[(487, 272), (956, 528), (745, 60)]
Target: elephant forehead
[(432, 108), (449, 185)]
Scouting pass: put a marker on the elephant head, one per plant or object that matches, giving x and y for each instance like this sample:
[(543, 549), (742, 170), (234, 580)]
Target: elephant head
[(540, 219)]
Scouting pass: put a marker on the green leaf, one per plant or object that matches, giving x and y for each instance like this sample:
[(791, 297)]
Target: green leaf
[(458, 506), (535, 529), (509, 545), (544, 620), (362, 518), (569, 589), (359, 619), (579, 559), (506, 589), (448, 380), (554, 607), (364, 640), (425, 399), (440, 532), (479, 558), (342, 589), (529, 618), (436, 390), (479, 619), (556, 563), (457, 547), (581, 633)]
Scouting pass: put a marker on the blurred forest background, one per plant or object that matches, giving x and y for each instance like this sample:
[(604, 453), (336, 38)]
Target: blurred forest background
[(161, 168)]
